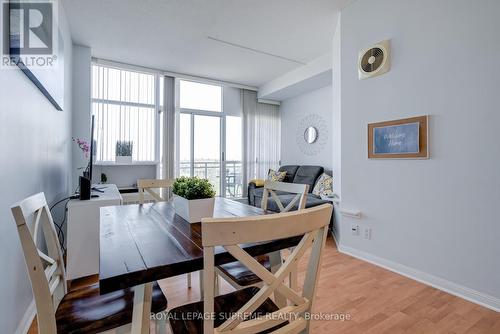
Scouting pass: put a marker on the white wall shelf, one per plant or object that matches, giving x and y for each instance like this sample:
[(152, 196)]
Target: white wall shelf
[(350, 213)]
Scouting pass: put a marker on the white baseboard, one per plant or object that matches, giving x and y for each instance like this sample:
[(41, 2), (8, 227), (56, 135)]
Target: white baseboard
[(455, 289), (27, 319)]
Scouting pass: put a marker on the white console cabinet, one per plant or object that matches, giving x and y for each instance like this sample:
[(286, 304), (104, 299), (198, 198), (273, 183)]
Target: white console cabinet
[(83, 231)]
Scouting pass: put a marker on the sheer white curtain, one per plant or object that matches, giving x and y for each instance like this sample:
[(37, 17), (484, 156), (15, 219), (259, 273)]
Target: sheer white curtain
[(262, 137), (168, 137)]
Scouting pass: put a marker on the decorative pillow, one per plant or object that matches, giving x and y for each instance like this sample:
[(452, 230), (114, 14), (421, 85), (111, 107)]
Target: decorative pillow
[(276, 176), (324, 185), (258, 182)]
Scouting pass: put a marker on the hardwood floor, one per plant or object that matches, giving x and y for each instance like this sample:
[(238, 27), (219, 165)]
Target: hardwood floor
[(368, 299)]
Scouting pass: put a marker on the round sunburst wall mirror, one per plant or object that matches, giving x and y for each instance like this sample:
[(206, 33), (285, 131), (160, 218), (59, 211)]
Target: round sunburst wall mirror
[(312, 134)]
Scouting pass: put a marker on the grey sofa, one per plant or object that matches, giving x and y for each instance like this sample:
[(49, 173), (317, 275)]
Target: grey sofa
[(294, 174)]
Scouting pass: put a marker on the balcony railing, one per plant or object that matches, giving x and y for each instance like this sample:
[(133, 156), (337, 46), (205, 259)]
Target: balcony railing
[(211, 170)]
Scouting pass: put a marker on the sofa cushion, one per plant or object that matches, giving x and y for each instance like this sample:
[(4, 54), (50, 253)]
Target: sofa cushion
[(290, 172), (313, 200), (308, 175), (286, 198), (257, 196), (257, 182)]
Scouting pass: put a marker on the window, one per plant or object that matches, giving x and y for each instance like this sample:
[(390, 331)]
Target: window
[(207, 149), (199, 131), (210, 137), (200, 96), (124, 105)]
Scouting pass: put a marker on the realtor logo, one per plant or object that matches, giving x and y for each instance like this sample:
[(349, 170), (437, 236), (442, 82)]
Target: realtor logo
[(28, 33)]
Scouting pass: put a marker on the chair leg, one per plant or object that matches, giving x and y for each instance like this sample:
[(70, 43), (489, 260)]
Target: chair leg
[(189, 280), (161, 324), (294, 285), (142, 308), (126, 329), (201, 283), (217, 286)]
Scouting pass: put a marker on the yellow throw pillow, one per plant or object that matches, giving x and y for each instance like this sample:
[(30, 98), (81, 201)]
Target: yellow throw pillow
[(276, 176), (324, 185), (258, 182)]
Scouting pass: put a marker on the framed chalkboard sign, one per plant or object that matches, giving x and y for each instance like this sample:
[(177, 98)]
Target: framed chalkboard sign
[(399, 139)]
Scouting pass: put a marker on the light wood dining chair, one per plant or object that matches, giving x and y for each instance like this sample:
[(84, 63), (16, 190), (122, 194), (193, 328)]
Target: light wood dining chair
[(235, 273), (147, 186), (270, 189), (251, 310), (58, 310)]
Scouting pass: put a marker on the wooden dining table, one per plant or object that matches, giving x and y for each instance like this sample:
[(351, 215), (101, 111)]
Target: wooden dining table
[(140, 244)]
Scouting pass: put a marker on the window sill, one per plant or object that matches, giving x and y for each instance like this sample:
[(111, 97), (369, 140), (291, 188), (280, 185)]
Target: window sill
[(134, 163)]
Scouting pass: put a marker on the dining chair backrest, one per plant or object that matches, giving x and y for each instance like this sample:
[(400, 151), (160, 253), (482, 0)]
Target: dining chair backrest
[(148, 185), (230, 233), (45, 268), (300, 191)]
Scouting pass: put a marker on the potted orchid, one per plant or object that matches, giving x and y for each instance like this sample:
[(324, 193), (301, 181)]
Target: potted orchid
[(84, 146)]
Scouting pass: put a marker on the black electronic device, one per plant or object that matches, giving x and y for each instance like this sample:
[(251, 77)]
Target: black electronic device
[(85, 188), (85, 181)]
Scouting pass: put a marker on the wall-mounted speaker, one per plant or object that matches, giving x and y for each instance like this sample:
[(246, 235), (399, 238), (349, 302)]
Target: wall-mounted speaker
[(375, 60)]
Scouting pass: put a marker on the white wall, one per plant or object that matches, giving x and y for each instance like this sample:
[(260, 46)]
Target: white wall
[(35, 147), (437, 217), (336, 124), (292, 111), (306, 78), (232, 102)]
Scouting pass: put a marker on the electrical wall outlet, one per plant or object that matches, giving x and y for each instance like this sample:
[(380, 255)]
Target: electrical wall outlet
[(355, 229), (367, 233)]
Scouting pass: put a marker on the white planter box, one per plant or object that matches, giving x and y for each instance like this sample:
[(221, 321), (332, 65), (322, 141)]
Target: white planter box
[(122, 160), (195, 209)]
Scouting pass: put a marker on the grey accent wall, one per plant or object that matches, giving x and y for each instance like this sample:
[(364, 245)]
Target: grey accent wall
[(35, 146), (293, 110), (436, 216)]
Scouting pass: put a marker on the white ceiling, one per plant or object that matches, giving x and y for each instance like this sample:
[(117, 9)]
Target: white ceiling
[(172, 34)]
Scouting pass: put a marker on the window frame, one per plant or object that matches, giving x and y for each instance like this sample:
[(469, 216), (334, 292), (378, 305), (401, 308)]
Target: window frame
[(157, 107), (222, 115), (193, 112), (200, 111)]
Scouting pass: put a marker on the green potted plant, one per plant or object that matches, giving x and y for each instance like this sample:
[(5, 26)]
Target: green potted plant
[(194, 198), (123, 152)]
